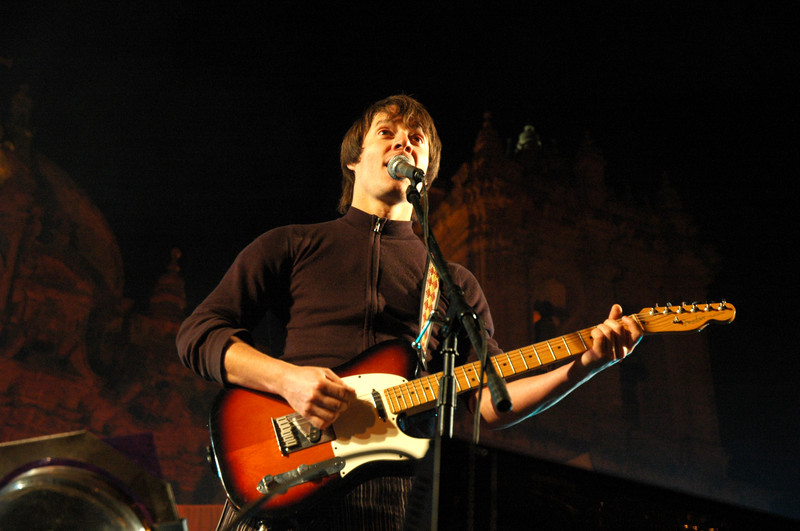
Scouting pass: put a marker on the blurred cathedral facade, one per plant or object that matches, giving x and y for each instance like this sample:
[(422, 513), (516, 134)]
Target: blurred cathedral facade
[(551, 244)]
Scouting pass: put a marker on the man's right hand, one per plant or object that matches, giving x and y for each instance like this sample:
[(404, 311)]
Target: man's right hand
[(316, 393)]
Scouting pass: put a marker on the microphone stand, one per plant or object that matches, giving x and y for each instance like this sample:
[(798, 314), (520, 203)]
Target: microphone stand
[(460, 316)]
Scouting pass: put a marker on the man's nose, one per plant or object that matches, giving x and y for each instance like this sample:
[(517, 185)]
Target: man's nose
[(403, 142)]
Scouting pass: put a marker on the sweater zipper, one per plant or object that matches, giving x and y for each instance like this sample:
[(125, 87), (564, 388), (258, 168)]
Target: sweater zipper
[(372, 284)]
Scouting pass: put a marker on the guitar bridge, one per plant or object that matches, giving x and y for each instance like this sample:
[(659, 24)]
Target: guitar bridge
[(294, 433), (273, 485)]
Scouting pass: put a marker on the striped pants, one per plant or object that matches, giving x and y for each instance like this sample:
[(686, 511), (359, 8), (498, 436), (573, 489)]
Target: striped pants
[(376, 505)]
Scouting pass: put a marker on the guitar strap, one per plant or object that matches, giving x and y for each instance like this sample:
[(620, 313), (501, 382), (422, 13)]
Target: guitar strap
[(428, 303)]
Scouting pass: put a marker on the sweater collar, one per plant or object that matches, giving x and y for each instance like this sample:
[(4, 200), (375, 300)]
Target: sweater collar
[(360, 219)]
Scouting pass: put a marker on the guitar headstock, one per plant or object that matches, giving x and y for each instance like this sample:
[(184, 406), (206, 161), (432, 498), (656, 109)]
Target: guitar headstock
[(684, 317)]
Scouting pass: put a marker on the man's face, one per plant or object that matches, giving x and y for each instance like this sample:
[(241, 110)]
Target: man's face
[(387, 137)]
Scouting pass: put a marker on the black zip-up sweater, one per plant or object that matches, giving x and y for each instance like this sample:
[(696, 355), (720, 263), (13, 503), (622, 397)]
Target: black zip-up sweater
[(327, 291)]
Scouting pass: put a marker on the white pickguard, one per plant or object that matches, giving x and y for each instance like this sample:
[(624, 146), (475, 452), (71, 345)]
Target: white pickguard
[(362, 436)]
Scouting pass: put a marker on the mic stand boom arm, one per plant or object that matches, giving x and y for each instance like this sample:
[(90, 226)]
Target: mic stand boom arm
[(461, 314)]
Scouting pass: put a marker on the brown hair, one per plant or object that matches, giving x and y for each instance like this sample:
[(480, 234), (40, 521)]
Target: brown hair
[(413, 113)]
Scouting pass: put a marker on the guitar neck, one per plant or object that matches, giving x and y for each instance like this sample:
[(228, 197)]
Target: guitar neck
[(422, 393)]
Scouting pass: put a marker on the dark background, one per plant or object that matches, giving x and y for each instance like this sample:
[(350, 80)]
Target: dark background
[(199, 126)]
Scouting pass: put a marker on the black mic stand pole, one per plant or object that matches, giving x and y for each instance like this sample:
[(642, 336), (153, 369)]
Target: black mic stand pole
[(460, 315)]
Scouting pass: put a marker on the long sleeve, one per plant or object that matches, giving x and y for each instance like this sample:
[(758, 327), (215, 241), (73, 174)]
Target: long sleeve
[(235, 307)]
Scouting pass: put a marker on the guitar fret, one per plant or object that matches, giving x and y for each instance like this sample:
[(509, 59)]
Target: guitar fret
[(391, 394), (474, 379), (462, 373), (433, 383), (580, 336), (408, 392), (522, 357), (401, 397), (424, 398), (419, 392), (566, 345), (552, 352), (459, 373), (497, 365), (411, 394), (500, 368), (419, 388), (577, 343), (455, 377), (535, 351), (510, 364), (434, 386), (426, 385)]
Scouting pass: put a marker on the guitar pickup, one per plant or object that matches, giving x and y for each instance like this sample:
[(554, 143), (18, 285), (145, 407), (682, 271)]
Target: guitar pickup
[(377, 401), (294, 433)]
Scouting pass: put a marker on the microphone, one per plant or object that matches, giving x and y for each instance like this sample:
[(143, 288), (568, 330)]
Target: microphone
[(400, 167)]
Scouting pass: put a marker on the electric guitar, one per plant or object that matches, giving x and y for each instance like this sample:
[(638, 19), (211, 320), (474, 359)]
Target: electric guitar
[(265, 452)]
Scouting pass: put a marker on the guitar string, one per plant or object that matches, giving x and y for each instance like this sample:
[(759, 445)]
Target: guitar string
[(518, 356)]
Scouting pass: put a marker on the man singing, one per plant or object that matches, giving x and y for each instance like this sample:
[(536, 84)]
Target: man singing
[(331, 290)]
